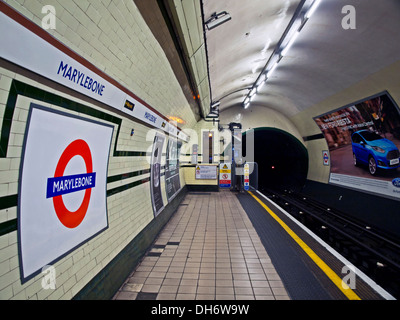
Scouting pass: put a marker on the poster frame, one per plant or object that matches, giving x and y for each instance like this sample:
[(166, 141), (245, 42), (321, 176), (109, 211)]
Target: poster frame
[(25, 278), (332, 174), (176, 177), (153, 168)]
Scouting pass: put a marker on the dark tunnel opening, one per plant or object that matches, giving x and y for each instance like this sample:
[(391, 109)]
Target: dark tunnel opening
[(282, 159)]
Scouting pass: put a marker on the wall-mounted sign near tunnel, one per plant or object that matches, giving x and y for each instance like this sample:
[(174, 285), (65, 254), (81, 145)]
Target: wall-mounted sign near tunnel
[(246, 177), (62, 195), (225, 175), (204, 172), (364, 143)]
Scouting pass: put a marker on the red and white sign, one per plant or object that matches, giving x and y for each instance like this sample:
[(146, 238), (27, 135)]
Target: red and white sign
[(325, 157), (71, 183), (246, 177), (225, 175), (62, 198)]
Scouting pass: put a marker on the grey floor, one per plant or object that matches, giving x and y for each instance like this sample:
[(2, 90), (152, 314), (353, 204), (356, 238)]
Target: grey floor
[(209, 250)]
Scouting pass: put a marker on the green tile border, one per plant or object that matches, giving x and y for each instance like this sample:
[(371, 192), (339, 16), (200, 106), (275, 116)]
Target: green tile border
[(21, 88), (8, 226), (8, 201)]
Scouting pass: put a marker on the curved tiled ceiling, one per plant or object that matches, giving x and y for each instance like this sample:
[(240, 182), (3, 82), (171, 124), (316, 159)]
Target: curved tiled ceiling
[(325, 59)]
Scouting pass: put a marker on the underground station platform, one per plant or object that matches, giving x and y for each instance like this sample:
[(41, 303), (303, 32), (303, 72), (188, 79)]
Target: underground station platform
[(242, 246)]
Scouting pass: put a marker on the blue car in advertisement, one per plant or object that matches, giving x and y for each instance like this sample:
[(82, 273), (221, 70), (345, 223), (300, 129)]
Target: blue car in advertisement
[(374, 151)]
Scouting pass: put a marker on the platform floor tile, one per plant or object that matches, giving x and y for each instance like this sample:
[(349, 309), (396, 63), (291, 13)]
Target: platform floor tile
[(209, 250)]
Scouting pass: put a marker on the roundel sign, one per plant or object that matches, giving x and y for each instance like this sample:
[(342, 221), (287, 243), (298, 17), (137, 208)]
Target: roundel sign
[(325, 157), (59, 185)]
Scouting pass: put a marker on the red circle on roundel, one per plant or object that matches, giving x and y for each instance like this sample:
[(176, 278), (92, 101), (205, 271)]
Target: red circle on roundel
[(67, 218)]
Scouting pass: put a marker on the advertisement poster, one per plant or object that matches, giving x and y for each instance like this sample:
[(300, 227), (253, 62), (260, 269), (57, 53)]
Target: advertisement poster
[(364, 142), (155, 180), (62, 191), (172, 180)]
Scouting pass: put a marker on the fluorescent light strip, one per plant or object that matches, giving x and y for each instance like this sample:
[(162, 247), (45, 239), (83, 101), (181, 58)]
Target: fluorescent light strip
[(290, 43), (283, 52), (312, 9), (261, 79), (260, 86), (272, 69)]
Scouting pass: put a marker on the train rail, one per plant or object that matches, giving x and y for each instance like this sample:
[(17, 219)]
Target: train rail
[(375, 253)]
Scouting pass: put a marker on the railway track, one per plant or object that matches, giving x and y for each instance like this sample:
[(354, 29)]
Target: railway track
[(374, 253)]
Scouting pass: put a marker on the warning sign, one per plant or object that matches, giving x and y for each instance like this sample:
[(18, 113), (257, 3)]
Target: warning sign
[(246, 177), (206, 172), (225, 179)]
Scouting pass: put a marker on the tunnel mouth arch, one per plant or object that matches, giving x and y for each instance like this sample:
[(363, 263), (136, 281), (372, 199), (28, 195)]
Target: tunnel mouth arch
[(282, 159)]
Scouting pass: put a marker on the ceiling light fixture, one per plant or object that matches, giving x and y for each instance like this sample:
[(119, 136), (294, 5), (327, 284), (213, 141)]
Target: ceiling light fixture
[(300, 17), (217, 19), (290, 43), (176, 119), (261, 79), (259, 87), (312, 9), (215, 104), (270, 71)]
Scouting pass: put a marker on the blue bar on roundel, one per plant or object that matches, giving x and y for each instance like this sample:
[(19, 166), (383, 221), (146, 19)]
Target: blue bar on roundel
[(67, 184)]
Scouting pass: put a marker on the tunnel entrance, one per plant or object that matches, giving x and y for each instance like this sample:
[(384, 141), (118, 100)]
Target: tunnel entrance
[(282, 159)]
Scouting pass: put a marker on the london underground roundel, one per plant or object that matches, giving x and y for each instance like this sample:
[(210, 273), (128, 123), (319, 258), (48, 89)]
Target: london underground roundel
[(60, 184)]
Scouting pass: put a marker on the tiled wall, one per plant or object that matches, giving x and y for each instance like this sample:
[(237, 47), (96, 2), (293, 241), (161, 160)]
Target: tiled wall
[(113, 36)]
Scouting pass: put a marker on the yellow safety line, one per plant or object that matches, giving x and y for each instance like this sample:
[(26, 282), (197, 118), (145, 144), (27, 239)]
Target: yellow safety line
[(347, 291)]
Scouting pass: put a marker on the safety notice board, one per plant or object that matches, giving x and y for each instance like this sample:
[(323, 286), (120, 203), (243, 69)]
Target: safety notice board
[(225, 175), (206, 172)]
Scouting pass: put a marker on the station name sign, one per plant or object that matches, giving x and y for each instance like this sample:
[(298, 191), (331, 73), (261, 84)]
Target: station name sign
[(53, 61), (64, 185), (79, 77)]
